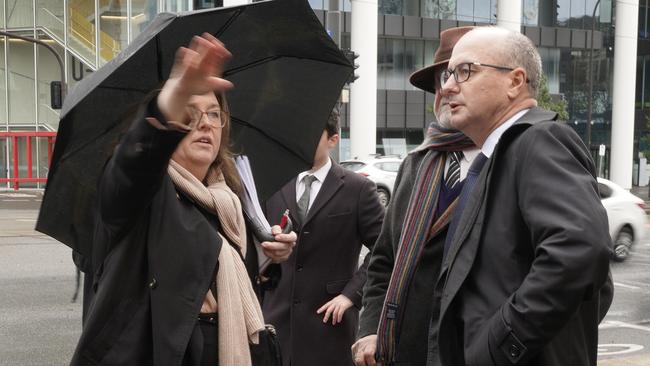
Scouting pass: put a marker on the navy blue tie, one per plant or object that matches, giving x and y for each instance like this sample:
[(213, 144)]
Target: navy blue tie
[(468, 186)]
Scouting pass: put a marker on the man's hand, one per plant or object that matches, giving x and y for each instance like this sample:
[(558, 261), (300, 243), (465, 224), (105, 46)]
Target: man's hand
[(280, 249), (363, 351), (196, 71), (335, 308)]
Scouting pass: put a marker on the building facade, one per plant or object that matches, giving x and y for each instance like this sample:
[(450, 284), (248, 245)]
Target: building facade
[(88, 33)]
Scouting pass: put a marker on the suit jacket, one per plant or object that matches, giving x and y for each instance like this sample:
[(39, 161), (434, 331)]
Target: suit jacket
[(521, 282), (411, 346), (345, 214)]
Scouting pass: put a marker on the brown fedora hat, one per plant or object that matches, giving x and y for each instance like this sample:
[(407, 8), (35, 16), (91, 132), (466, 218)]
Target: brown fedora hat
[(426, 77)]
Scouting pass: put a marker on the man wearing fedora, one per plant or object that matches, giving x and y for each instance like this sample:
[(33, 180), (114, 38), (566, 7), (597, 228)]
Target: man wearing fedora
[(398, 297)]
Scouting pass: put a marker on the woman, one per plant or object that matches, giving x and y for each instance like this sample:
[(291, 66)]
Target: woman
[(171, 287)]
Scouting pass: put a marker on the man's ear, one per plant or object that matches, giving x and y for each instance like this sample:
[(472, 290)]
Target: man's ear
[(333, 140), (518, 83)]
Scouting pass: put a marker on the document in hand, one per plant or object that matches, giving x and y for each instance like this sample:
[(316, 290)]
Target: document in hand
[(253, 210)]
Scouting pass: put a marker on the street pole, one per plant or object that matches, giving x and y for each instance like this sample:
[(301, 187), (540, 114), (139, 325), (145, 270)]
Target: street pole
[(590, 78), (50, 48)]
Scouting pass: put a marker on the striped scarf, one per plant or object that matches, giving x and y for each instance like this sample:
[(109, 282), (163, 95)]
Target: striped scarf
[(420, 225)]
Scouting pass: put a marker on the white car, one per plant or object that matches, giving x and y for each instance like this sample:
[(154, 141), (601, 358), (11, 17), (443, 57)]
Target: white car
[(381, 170), (626, 215)]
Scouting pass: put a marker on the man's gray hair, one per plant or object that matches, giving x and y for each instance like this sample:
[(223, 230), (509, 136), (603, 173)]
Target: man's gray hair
[(517, 50)]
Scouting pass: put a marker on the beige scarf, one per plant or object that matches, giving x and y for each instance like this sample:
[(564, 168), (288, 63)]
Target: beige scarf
[(240, 315)]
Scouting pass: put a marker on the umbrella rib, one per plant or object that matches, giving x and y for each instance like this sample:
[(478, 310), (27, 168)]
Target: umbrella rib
[(279, 143), (275, 57)]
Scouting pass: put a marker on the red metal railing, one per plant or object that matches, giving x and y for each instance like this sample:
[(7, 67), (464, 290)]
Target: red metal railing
[(14, 137)]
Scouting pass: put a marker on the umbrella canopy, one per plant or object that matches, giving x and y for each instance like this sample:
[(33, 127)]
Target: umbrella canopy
[(287, 73)]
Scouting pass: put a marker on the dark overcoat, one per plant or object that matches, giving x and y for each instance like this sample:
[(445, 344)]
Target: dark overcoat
[(154, 254), (345, 214), (521, 282), (411, 340)]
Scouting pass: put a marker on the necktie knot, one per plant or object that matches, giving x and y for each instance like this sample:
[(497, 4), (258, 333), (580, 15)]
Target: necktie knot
[(453, 171), (307, 180)]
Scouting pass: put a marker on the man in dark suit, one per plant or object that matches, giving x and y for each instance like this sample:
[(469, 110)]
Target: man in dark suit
[(315, 306), (398, 297), (527, 253)]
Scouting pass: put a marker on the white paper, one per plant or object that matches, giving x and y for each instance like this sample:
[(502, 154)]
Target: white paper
[(252, 207)]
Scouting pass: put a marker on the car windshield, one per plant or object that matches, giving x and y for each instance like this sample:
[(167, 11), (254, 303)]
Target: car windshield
[(352, 165)]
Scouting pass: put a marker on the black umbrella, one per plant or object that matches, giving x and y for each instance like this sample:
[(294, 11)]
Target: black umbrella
[(287, 74)]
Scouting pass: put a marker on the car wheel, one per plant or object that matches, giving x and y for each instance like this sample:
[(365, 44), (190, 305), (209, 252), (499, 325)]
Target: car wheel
[(384, 196), (622, 244)]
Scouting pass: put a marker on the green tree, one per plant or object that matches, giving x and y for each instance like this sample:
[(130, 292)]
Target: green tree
[(545, 101)]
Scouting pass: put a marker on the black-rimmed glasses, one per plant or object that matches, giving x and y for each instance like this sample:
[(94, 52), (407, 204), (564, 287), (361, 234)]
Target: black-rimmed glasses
[(463, 71), (216, 118)]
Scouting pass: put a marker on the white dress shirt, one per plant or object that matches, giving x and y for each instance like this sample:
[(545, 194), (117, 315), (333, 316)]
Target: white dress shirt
[(320, 175), (493, 139)]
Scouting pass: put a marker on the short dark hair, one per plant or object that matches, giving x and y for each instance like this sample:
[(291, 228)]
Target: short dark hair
[(333, 125)]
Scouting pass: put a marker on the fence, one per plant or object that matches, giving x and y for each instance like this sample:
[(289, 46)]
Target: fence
[(14, 138)]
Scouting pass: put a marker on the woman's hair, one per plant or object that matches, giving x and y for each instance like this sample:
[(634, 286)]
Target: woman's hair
[(225, 160)]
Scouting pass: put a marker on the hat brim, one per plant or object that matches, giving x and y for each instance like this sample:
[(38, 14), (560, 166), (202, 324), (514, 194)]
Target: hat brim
[(425, 78)]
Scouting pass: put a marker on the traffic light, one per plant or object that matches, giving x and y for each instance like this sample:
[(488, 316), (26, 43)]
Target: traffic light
[(351, 56), (56, 95)]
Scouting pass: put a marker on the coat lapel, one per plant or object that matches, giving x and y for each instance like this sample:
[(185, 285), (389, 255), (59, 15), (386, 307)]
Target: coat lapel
[(467, 237), (333, 182)]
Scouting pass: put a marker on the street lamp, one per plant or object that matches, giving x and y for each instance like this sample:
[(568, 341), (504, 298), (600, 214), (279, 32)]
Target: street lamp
[(50, 48), (590, 78)]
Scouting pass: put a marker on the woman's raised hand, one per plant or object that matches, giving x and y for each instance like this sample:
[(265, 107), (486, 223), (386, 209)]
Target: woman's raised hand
[(197, 70)]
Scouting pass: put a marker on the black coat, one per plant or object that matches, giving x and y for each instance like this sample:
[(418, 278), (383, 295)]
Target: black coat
[(521, 282), (411, 345), (155, 255), (345, 214)]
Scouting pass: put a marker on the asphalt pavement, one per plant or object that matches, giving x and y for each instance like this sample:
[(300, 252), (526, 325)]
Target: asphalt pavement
[(39, 325)]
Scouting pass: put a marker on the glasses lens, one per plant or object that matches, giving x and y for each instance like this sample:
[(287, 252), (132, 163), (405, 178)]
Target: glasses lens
[(462, 73)]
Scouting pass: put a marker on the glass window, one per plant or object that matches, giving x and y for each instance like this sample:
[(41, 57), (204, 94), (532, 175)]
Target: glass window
[(639, 82), (391, 7), (578, 13), (316, 4), (22, 103), (530, 9), (551, 68), (113, 26), (3, 91), (81, 32), (142, 14), (482, 11), (352, 165), (429, 8), (605, 191), (411, 7), (393, 68), (646, 84), (465, 10), (413, 59), (48, 71), (21, 14), (49, 14), (383, 65), (563, 12)]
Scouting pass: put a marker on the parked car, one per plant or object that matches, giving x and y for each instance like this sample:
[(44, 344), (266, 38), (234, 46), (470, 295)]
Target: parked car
[(379, 169), (626, 215)]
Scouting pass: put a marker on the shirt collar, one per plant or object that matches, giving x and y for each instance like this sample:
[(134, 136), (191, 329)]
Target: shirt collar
[(493, 139), (320, 174)]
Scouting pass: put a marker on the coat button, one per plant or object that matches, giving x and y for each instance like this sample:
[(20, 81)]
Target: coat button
[(153, 284), (299, 268), (296, 301), (514, 351)]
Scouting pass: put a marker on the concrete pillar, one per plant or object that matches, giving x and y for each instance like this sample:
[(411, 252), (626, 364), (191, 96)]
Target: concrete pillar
[(509, 14), (363, 92), (625, 43)]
